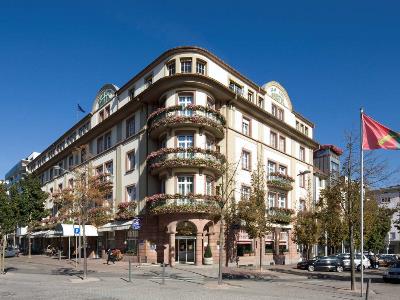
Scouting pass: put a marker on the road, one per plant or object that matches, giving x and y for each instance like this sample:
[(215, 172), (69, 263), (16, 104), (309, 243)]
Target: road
[(45, 278)]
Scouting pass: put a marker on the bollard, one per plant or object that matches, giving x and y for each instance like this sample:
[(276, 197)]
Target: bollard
[(130, 269), (367, 292), (163, 273), (59, 255), (139, 260)]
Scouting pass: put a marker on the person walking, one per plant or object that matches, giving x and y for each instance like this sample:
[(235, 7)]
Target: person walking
[(110, 256)]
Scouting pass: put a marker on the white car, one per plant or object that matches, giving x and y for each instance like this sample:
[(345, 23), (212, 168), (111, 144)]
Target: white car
[(393, 273), (345, 257)]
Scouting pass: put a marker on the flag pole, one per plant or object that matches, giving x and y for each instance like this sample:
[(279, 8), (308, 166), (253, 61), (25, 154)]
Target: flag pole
[(362, 200)]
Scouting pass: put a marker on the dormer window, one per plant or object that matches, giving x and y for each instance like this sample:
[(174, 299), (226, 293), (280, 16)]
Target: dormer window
[(186, 65), (200, 67), (148, 81), (171, 68), (236, 87)]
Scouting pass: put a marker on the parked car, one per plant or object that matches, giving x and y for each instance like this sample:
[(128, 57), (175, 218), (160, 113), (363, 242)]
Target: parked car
[(328, 263), (386, 260), (393, 273), (303, 265), (10, 252), (345, 258)]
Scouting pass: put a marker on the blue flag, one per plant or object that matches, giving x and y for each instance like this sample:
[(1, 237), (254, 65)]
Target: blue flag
[(81, 109)]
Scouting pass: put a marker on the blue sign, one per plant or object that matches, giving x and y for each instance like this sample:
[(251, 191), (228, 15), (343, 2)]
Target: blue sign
[(136, 224), (77, 230)]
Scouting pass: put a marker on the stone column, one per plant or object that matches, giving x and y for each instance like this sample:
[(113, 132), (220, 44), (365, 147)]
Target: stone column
[(199, 246), (172, 249)]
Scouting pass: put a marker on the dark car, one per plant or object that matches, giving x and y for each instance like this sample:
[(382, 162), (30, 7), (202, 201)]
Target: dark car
[(303, 265), (329, 263)]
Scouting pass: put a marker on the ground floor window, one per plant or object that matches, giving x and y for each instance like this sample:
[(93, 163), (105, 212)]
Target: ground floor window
[(131, 242), (244, 249), (269, 247)]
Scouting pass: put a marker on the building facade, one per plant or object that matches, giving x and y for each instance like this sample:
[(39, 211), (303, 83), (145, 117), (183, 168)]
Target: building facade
[(165, 135), (389, 197), (17, 172)]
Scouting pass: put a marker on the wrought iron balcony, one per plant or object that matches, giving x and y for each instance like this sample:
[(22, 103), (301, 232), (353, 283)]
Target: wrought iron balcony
[(191, 203), (185, 157), (181, 116), (280, 215)]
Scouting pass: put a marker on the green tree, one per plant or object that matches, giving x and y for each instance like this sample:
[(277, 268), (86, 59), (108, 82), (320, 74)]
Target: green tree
[(253, 210), (306, 230), (29, 202), (7, 221)]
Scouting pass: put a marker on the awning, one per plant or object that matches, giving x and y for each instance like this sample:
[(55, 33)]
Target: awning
[(41, 233), (116, 225), (66, 230)]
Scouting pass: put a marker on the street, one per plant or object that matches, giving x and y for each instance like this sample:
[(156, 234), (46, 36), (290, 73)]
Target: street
[(42, 277)]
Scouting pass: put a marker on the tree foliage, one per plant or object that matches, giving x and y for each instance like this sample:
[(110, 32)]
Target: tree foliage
[(306, 230)]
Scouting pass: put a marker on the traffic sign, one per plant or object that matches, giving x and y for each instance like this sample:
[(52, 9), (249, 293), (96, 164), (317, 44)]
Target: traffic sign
[(77, 230), (136, 224)]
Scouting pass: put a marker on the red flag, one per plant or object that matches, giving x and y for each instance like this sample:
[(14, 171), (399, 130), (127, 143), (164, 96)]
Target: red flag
[(378, 136)]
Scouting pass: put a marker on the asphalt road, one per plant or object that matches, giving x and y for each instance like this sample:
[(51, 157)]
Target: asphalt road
[(46, 278)]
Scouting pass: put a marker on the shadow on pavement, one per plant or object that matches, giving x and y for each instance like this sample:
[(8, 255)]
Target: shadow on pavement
[(69, 272)]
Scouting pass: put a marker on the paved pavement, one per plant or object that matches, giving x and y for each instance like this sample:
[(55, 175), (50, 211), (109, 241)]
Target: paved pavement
[(46, 278)]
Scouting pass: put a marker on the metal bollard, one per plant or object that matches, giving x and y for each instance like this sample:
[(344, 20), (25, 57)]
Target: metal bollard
[(130, 269), (163, 273), (367, 292)]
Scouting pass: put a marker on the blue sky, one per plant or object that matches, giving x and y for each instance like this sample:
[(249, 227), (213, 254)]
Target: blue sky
[(332, 57)]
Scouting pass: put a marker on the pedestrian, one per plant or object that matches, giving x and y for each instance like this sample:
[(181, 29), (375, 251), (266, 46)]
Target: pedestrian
[(110, 256), (237, 261)]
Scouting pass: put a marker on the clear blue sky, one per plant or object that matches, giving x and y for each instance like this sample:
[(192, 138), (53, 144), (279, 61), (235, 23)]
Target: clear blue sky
[(332, 56)]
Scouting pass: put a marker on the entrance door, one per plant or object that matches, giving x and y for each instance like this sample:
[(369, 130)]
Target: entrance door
[(185, 249)]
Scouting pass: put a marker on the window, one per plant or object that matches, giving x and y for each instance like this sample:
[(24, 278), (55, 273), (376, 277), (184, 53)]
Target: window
[(51, 174), (51, 191), (246, 160), (271, 200), (302, 153), (101, 116), (236, 87), (209, 143), (209, 185), (245, 126), (107, 141), (260, 102), (186, 65), (302, 205), (148, 81), (130, 193), (298, 125), (185, 187), (107, 111), (100, 145), (271, 167), (210, 103), (130, 127), (71, 183), (99, 170), (280, 114), (83, 155), (245, 192), (132, 93), (184, 101), (171, 68), (282, 170), (302, 180), (306, 130), (185, 141), (130, 161), (392, 236), (282, 144), (70, 161), (277, 112), (273, 140), (109, 167), (200, 67), (60, 187), (250, 96), (282, 200), (162, 186)]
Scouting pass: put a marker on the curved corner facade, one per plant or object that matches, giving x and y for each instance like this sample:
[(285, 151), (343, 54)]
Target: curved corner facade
[(165, 137)]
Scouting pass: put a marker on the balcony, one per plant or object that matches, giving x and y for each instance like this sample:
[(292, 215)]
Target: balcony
[(191, 116), (280, 181), (167, 158), (183, 204), (280, 215)]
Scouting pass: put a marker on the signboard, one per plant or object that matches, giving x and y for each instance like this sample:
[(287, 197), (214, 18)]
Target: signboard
[(136, 224), (77, 230)]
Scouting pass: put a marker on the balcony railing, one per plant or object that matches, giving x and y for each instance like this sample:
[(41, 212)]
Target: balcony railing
[(280, 181), (280, 215), (191, 114), (191, 203), (185, 157)]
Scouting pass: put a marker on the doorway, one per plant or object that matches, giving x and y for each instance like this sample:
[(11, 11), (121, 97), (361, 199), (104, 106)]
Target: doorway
[(185, 249)]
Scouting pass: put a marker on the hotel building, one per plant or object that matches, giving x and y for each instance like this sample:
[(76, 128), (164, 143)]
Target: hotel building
[(164, 136)]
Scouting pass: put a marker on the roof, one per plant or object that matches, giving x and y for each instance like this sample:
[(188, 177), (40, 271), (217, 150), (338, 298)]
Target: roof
[(333, 148)]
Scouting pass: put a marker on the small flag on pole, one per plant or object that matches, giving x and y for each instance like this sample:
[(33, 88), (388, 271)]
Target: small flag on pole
[(378, 136), (81, 109)]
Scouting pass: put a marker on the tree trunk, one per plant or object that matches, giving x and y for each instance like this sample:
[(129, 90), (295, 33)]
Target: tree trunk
[(261, 253), (84, 251), (29, 244), (221, 245), (351, 236), (3, 251)]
